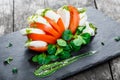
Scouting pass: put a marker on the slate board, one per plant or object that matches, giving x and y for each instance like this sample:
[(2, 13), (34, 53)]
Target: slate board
[(107, 30)]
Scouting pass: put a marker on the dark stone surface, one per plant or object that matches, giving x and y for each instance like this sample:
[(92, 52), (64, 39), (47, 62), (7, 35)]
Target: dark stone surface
[(107, 31)]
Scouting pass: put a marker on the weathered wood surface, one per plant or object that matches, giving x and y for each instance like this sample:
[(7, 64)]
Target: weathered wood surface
[(6, 16), (13, 15), (112, 9)]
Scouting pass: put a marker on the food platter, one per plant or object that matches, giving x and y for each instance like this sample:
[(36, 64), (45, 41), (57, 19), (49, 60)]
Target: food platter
[(107, 31)]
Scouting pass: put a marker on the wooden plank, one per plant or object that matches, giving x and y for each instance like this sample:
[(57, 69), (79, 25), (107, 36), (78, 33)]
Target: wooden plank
[(112, 9), (55, 4), (6, 16), (23, 9), (97, 73)]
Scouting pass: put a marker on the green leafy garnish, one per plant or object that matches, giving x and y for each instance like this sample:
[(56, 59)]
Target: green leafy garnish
[(86, 37), (53, 57), (8, 60), (9, 45), (14, 70), (93, 27), (43, 59), (35, 58), (82, 10), (61, 42), (59, 50), (51, 49), (80, 29), (44, 12), (117, 39), (65, 55), (66, 7), (67, 35), (28, 31)]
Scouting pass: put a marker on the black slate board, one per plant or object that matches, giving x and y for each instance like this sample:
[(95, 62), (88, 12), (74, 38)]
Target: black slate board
[(107, 30)]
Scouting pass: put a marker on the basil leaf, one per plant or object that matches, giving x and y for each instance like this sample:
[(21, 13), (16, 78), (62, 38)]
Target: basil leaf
[(67, 35), (51, 49), (74, 46), (66, 7), (61, 42)]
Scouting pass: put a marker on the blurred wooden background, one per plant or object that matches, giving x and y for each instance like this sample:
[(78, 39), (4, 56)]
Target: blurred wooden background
[(13, 14)]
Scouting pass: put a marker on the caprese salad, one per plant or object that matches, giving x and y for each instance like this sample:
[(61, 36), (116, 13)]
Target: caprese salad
[(57, 33)]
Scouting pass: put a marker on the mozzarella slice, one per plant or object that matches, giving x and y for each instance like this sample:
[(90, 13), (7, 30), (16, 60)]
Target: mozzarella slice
[(65, 16), (83, 20), (38, 18), (88, 29), (31, 30), (36, 44), (51, 14)]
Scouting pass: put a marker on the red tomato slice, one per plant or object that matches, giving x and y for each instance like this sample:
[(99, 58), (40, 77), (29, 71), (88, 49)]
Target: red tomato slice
[(38, 49), (61, 25), (74, 19), (42, 37), (53, 24), (45, 28)]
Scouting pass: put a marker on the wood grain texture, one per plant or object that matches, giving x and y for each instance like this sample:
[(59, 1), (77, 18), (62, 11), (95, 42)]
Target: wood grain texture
[(112, 9), (23, 9), (96, 73), (6, 16)]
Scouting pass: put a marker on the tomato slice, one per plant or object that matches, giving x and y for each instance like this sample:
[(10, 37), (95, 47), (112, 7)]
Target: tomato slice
[(61, 25), (53, 24), (38, 49), (74, 19), (45, 28), (42, 37)]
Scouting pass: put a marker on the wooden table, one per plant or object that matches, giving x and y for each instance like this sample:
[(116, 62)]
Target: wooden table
[(13, 15)]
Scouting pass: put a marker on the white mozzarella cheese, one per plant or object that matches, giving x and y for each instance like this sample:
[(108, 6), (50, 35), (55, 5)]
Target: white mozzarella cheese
[(65, 16)]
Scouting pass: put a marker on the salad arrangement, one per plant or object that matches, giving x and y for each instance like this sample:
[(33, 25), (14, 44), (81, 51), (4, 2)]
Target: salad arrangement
[(55, 34)]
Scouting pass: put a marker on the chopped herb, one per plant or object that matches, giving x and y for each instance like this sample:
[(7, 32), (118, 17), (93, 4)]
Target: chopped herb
[(44, 12), (28, 31), (14, 70), (102, 43), (82, 10), (66, 7), (117, 39), (8, 60), (9, 45)]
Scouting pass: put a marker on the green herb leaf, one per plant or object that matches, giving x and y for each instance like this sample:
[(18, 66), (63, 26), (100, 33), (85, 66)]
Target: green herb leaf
[(43, 59), (28, 31), (61, 42), (59, 50), (65, 55), (80, 30), (44, 12), (74, 46), (53, 57), (65, 7), (93, 27), (117, 39), (51, 49), (67, 48), (14, 70), (67, 35), (9, 45), (35, 58), (8, 60), (86, 37), (82, 10)]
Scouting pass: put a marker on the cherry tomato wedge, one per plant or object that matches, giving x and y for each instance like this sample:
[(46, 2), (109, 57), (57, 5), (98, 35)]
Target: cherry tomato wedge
[(45, 28), (74, 19), (42, 37), (38, 49), (61, 25)]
